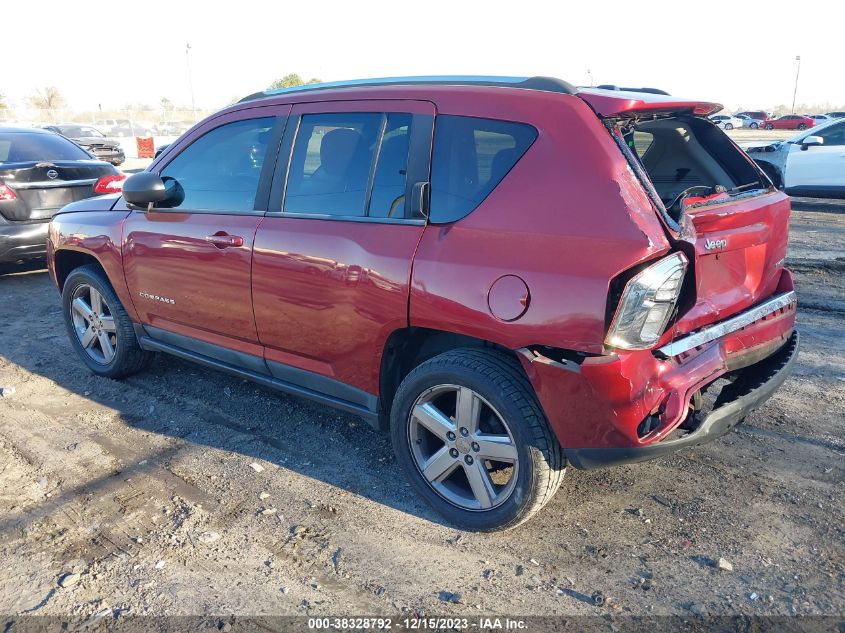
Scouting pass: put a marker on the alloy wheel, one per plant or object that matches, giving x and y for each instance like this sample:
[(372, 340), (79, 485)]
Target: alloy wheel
[(93, 324), (463, 447)]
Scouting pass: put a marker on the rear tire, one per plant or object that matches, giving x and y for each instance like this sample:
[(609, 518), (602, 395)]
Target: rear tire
[(729, 126), (753, 126), (450, 415), (99, 328), (802, 126), (769, 126)]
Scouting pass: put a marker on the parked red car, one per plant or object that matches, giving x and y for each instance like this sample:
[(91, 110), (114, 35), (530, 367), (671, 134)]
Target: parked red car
[(507, 275), (756, 118), (790, 122)]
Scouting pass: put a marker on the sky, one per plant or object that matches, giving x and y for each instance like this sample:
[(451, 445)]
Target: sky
[(112, 53)]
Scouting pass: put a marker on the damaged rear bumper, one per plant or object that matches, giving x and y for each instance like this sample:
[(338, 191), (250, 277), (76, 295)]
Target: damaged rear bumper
[(756, 384), (633, 405)]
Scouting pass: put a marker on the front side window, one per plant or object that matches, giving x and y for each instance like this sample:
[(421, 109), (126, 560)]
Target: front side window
[(471, 156), (834, 135), (220, 170)]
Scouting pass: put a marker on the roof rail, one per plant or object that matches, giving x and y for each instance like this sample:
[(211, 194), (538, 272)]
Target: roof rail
[(547, 84)]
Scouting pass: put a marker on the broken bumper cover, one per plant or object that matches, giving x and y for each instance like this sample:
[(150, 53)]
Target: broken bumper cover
[(628, 406), (757, 384)]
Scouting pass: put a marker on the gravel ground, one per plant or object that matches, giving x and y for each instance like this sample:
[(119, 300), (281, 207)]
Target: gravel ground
[(186, 491)]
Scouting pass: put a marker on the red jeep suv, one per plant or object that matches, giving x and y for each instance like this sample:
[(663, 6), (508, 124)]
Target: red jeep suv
[(508, 275)]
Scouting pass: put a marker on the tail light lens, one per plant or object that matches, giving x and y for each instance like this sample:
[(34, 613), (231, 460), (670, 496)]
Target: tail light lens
[(647, 304), (6, 193), (110, 184)]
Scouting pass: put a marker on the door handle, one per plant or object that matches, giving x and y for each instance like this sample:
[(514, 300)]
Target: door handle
[(221, 239)]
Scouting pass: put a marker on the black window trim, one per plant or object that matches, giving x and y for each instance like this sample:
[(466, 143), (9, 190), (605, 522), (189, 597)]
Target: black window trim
[(419, 161), (262, 194)]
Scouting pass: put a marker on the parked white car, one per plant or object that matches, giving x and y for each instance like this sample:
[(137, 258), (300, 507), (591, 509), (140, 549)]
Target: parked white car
[(819, 118), (726, 122), (810, 164)]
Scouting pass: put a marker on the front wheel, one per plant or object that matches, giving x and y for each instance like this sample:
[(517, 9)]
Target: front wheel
[(98, 326), (769, 126), (470, 436), (802, 126)]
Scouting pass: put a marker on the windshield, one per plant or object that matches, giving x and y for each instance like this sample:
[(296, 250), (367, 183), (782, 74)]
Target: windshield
[(26, 147)]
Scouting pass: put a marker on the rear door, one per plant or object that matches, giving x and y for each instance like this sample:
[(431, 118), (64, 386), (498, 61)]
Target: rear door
[(819, 167), (333, 257), (188, 266)]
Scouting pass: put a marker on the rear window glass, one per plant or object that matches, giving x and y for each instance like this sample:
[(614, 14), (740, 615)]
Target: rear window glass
[(22, 147), (471, 156)]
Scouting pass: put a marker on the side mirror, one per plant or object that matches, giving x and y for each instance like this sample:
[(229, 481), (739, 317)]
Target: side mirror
[(142, 190), (811, 141)]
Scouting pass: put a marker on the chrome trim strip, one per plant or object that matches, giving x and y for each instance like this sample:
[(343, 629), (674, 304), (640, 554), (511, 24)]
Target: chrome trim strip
[(729, 325), (49, 184)]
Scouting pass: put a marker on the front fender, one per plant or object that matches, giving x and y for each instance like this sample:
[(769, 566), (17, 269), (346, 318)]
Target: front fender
[(96, 234)]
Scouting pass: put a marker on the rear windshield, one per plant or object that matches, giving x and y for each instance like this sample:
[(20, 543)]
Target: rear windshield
[(23, 147), (685, 157)]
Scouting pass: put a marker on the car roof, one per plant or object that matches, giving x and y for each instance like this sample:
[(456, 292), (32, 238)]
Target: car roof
[(548, 84), (605, 103), (24, 130)]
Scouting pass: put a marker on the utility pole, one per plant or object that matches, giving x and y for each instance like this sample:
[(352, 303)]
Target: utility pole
[(590, 73), (797, 72), (190, 80)]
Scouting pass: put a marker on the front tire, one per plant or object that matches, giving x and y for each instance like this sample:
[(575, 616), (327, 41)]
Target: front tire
[(769, 126), (99, 328), (469, 434), (802, 126)]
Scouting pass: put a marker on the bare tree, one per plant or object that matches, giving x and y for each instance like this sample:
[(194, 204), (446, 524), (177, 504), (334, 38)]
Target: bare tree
[(3, 104), (48, 98)]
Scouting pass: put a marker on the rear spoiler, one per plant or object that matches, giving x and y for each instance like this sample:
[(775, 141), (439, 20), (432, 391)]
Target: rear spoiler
[(621, 104)]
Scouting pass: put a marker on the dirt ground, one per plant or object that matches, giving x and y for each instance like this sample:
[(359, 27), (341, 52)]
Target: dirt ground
[(186, 491)]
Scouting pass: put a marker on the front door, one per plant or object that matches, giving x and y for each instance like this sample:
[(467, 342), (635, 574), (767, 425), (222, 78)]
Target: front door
[(819, 166), (333, 257), (187, 264)]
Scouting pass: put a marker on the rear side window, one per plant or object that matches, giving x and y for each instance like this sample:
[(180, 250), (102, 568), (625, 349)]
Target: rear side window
[(220, 170), (26, 147), (471, 156), (332, 167)]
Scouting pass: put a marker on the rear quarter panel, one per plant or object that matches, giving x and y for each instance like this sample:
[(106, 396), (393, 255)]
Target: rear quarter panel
[(567, 219)]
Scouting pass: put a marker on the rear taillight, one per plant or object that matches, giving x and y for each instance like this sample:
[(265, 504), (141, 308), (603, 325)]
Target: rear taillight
[(6, 193), (110, 184), (647, 304)]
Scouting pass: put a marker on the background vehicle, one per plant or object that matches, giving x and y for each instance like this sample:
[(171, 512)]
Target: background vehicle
[(132, 129), (835, 115), (747, 121), (361, 245), (790, 122), (809, 164), (819, 118), (759, 118), (41, 172), (727, 122), (93, 140)]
